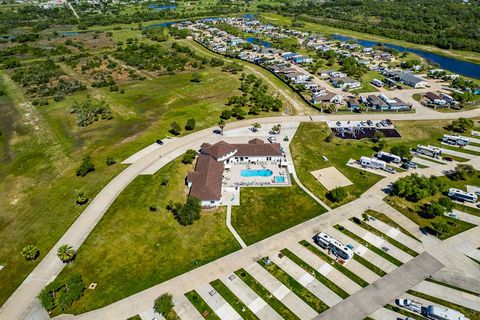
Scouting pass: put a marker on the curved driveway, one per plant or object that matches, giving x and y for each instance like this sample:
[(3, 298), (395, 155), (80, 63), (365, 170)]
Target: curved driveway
[(22, 299)]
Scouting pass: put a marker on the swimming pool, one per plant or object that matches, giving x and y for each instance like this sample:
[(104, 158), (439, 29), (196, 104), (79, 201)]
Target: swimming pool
[(279, 179), (256, 173)]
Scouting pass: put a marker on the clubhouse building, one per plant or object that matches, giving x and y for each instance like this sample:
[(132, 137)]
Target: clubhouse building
[(223, 165)]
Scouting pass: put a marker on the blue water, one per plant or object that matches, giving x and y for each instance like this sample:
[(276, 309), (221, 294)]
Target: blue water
[(279, 179), (160, 7), (249, 16), (68, 33), (7, 37), (254, 40), (163, 24), (256, 173), (465, 68)]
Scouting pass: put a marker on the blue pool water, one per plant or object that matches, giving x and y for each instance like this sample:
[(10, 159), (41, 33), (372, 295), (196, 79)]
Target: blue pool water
[(465, 68), (256, 173), (279, 179)]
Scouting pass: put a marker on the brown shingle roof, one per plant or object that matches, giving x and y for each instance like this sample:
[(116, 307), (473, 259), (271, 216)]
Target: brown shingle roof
[(258, 149), (218, 149), (206, 179)]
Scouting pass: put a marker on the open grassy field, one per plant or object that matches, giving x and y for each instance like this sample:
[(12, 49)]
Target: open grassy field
[(309, 26), (41, 147), (309, 146), (264, 212), (146, 247)]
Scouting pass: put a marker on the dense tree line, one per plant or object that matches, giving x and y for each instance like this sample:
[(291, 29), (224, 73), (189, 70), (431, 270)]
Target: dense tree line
[(415, 188), (446, 24)]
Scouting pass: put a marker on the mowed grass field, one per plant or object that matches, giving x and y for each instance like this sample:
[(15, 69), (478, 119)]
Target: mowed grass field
[(264, 212), (41, 147), (133, 248), (309, 146)]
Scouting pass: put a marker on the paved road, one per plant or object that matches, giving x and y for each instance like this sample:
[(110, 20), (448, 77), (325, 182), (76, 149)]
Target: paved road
[(23, 298), (373, 297)]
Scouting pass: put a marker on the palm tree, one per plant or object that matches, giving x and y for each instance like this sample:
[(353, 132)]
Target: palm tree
[(66, 253), (221, 125), (256, 126), (30, 252)]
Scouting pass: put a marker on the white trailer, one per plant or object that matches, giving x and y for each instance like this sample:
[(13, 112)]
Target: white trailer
[(326, 241), (388, 157), (455, 140), (461, 195), (372, 163), (430, 151), (442, 313)]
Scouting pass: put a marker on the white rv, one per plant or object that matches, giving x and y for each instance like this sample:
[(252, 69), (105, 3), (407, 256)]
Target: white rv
[(461, 195), (455, 140), (372, 163), (430, 151)]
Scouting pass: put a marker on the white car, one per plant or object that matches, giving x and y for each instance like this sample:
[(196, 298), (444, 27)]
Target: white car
[(409, 304), (272, 139)]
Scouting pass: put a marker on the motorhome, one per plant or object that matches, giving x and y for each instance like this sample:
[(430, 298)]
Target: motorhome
[(336, 247)]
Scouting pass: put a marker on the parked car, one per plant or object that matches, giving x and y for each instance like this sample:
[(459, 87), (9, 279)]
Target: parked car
[(449, 159), (370, 122), (389, 170), (160, 142), (272, 139)]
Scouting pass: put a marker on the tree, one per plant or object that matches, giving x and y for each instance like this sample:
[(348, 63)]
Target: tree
[(86, 167), (461, 125), (461, 172), (238, 113), (187, 213), (175, 128), (164, 304), (196, 77), (30, 252), (276, 128), (337, 194), (190, 124), (433, 210), (221, 125), (377, 136), (189, 156), (447, 203), (66, 253), (256, 126), (226, 114), (402, 151)]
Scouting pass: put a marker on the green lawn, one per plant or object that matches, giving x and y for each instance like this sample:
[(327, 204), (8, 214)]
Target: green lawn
[(334, 263), (382, 235), (309, 146), (387, 220), (320, 277), (41, 147), (266, 211), (133, 248), (201, 306), (295, 286), (263, 293), (233, 300), (378, 251)]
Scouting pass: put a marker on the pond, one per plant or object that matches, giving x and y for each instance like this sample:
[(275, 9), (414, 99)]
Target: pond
[(465, 68), (160, 7), (254, 40)]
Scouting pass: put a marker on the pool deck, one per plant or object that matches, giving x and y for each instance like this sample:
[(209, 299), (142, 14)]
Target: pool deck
[(232, 177)]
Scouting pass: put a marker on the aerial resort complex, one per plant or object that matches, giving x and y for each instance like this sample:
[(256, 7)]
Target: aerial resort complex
[(239, 160)]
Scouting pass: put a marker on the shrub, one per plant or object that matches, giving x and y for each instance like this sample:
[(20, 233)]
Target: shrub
[(189, 156), (164, 304), (402, 151), (110, 161), (432, 210), (88, 112), (175, 128), (461, 125), (62, 293), (86, 167), (226, 114), (81, 198), (337, 194), (461, 172), (415, 187), (446, 202), (30, 252), (190, 124)]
